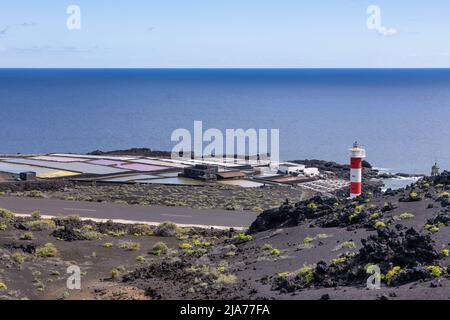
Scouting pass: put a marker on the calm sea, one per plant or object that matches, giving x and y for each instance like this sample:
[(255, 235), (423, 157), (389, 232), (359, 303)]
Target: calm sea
[(401, 116)]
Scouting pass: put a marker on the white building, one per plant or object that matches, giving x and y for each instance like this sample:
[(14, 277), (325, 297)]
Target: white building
[(311, 172), (291, 168)]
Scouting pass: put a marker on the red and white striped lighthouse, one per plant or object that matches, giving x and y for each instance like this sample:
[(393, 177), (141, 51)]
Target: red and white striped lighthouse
[(357, 153)]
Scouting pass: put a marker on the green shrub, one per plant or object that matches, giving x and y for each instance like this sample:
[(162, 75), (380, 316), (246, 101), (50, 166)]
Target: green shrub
[(6, 214), (267, 246), (436, 271), (432, 228), (141, 230), (312, 206), (159, 248), (3, 227), (43, 224), (115, 272), (47, 251), (35, 194), (414, 196), (27, 236), (185, 246), (374, 215), (306, 273), (445, 252), (444, 194), (131, 246), (226, 279), (92, 235), (308, 240), (392, 273), (167, 229), (18, 257), (140, 259), (345, 245), (283, 275), (36, 214), (405, 216), (243, 237), (108, 244), (358, 209), (116, 233), (275, 252), (3, 286), (339, 260), (380, 224)]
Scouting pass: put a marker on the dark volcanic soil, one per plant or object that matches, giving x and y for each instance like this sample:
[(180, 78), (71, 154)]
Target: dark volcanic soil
[(319, 248)]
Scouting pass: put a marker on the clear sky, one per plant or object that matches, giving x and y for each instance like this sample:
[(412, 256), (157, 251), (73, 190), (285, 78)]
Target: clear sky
[(225, 33)]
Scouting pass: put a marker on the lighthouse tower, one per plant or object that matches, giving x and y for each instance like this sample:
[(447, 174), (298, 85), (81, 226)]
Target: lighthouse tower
[(357, 153)]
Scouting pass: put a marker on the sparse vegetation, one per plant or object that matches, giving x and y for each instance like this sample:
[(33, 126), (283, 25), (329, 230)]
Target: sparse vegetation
[(140, 259), (131, 246), (405, 216), (345, 245), (308, 240), (436, 271), (185, 246), (242, 237), (159, 248), (306, 273), (380, 224), (226, 279), (36, 215), (115, 272), (312, 206), (43, 224), (18, 257), (108, 244), (6, 214), (391, 274), (275, 252), (27, 236), (167, 229), (47, 251)]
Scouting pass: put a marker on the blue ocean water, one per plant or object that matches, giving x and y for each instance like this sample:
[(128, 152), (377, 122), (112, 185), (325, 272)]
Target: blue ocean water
[(401, 116)]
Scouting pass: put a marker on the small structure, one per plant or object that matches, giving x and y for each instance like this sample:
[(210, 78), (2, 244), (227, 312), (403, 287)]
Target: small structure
[(357, 153), (201, 172), (27, 176), (311, 172), (435, 170), (291, 168), (226, 175)]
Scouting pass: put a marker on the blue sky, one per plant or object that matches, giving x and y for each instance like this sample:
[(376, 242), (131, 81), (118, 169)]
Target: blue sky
[(224, 33)]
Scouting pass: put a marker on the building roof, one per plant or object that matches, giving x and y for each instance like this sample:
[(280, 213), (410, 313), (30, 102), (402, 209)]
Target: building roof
[(291, 179), (230, 174)]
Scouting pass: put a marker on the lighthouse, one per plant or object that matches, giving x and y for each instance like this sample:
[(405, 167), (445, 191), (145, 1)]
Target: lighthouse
[(357, 153)]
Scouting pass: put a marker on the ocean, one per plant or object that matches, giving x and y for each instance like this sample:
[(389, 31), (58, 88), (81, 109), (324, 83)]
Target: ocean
[(400, 115)]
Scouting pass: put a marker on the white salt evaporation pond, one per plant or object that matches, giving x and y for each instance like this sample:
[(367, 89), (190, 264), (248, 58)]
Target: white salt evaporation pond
[(40, 171), (241, 183), (133, 178), (70, 166), (69, 155), (173, 181)]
